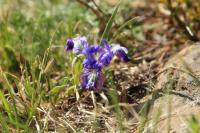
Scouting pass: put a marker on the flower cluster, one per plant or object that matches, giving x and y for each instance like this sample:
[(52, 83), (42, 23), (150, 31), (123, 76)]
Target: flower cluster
[(96, 58)]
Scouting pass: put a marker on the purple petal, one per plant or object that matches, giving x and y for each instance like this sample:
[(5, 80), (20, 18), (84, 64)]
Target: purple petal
[(97, 66), (93, 49), (106, 45), (82, 40), (105, 58), (122, 55), (91, 54), (91, 79), (69, 45), (76, 44), (89, 62), (99, 81), (120, 52), (79, 44)]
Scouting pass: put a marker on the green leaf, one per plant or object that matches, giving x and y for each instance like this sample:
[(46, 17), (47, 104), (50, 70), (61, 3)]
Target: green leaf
[(4, 124), (193, 124), (17, 124), (56, 90), (6, 105), (109, 24)]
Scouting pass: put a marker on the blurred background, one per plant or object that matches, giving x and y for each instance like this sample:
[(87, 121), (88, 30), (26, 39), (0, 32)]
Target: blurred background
[(27, 27)]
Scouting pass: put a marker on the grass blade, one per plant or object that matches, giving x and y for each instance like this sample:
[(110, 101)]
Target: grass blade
[(12, 95), (109, 24), (122, 27), (4, 124), (6, 105)]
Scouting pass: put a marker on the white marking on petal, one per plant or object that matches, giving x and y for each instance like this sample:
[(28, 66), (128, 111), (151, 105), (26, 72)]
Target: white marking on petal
[(117, 47)]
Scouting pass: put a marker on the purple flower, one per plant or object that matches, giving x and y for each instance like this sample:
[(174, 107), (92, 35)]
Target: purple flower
[(120, 52), (77, 45), (91, 53), (96, 58), (107, 55), (91, 79), (69, 45)]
